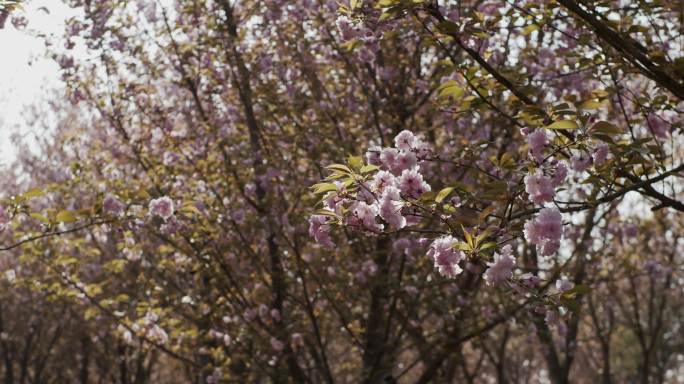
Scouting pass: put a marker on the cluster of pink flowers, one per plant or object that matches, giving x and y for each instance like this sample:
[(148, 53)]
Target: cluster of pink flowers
[(399, 178), (600, 154), (545, 231), (446, 256), (583, 160), (657, 126), (112, 206), (320, 230), (537, 142), (542, 188), (564, 285), (385, 196), (150, 330), (221, 337), (580, 162), (501, 269), (162, 207)]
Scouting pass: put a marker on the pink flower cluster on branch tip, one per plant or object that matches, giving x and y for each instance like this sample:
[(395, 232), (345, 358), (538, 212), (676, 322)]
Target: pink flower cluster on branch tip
[(162, 207), (320, 230), (545, 231), (540, 188), (600, 154), (111, 205), (537, 142), (384, 197), (501, 269), (390, 208), (366, 213), (564, 285), (580, 162), (446, 256)]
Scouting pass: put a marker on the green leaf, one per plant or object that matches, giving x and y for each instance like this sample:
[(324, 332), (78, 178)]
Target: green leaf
[(603, 137), (593, 104), (91, 312), (325, 212), (368, 168), (487, 245), (443, 194), (356, 162), (35, 192), (468, 237), (324, 187), (604, 127), (448, 27), (529, 29), (388, 3), (579, 289), (122, 298), (40, 217), (463, 186), (66, 217), (190, 207), (66, 260), (450, 88), (115, 266), (339, 168), (483, 235), (570, 304), (563, 124), (427, 197)]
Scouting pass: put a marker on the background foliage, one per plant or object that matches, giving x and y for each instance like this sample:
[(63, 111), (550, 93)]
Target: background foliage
[(207, 201)]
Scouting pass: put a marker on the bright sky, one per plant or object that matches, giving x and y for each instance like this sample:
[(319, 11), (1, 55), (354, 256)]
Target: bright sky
[(25, 72)]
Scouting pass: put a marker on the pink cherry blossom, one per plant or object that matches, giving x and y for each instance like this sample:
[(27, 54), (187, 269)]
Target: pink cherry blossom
[(580, 162), (277, 345), (631, 230), (657, 126), (553, 319), (560, 173), (545, 231), (382, 180), (564, 285), (404, 140), (539, 187), (404, 160), (445, 256), (320, 230), (411, 183), (366, 213), (537, 142), (600, 154), (390, 208), (112, 206), (501, 269), (373, 155), (275, 315), (162, 207), (388, 157), (297, 341), (369, 268)]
